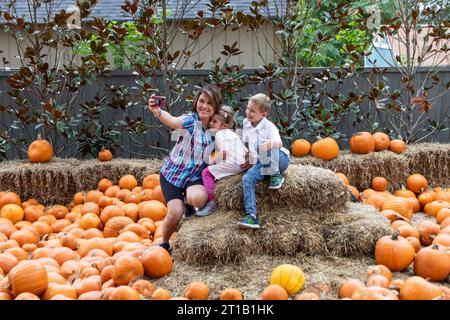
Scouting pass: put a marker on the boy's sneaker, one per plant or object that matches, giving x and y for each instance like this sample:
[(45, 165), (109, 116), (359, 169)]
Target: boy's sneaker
[(189, 211), (167, 246), (276, 182), (210, 207), (248, 222)]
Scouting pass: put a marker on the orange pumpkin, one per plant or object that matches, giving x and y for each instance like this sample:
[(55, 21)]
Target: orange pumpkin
[(110, 212), (325, 149), (161, 294), (300, 148), (432, 263), (114, 225), (417, 183), (362, 143), (40, 150), (105, 155), (396, 253), (144, 287), (126, 268), (399, 205), (230, 294), (417, 288), (124, 293), (274, 292), (197, 291), (157, 262), (12, 212), (349, 286), (150, 181), (382, 141), (397, 146), (379, 184), (28, 277), (433, 207), (9, 198), (374, 293), (152, 209), (379, 270), (128, 182)]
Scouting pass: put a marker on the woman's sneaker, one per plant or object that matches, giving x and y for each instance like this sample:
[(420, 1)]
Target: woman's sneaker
[(210, 207), (276, 181), (248, 222), (189, 211), (167, 246)]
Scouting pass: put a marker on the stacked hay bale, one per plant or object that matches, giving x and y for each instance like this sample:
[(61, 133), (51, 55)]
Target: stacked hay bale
[(430, 159), (87, 175), (50, 183), (56, 182), (309, 214)]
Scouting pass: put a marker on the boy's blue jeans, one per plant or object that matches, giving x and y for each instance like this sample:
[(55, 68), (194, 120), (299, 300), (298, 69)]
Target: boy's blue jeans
[(257, 174)]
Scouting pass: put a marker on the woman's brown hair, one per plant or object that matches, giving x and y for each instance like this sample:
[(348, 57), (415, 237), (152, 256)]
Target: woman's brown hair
[(214, 94)]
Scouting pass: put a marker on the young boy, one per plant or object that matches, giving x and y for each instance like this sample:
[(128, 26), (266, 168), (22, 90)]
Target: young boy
[(266, 152)]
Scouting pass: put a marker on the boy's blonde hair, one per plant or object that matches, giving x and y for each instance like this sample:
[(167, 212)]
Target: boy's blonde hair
[(226, 114), (262, 100)]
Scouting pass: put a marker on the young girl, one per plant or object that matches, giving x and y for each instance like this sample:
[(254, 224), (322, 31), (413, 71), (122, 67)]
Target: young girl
[(180, 175), (230, 154)]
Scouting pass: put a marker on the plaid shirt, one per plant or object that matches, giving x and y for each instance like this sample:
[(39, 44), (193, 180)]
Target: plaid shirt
[(186, 160)]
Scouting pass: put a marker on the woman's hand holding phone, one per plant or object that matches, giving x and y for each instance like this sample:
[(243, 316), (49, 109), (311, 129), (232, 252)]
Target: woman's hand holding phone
[(155, 103)]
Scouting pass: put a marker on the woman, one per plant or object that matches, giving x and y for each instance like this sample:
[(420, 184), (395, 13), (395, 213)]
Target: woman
[(180, 176)]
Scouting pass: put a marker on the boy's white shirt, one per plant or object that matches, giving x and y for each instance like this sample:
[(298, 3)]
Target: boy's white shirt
[(235, 151), (264, 130)]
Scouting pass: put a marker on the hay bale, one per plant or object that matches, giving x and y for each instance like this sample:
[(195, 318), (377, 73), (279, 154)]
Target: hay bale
[(355, 231), (289, 231), (360, 169), (56, 182), (50, 183), (90, 172), (213, 239), (431, 160), (217, 238), (305, 187)]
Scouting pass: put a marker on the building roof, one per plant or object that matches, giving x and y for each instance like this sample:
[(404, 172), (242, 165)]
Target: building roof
[(111, 9)]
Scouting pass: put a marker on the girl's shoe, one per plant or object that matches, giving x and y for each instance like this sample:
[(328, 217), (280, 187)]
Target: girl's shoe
[(210, 207)]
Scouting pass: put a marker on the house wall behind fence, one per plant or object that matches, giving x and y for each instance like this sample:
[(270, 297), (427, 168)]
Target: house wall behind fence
[(139, 146)]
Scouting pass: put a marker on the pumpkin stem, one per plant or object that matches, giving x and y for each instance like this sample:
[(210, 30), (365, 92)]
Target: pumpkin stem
[(39, 136), (395, 235), (435, 247)]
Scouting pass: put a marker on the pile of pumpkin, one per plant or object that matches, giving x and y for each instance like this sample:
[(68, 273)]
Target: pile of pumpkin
[(100, 246), (380, 285), (360, 143), (426, 246)]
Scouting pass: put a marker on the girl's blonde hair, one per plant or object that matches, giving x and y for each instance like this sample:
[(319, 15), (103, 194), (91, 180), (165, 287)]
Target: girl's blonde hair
[(262, 101), (226, 115)]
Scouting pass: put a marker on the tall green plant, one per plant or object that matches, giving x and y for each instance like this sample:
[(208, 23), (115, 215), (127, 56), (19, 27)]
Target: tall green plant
[(422, 40), (308, 102), (47, 88)]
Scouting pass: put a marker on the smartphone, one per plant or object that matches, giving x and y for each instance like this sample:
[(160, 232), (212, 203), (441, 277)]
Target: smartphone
[(160, 101)]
